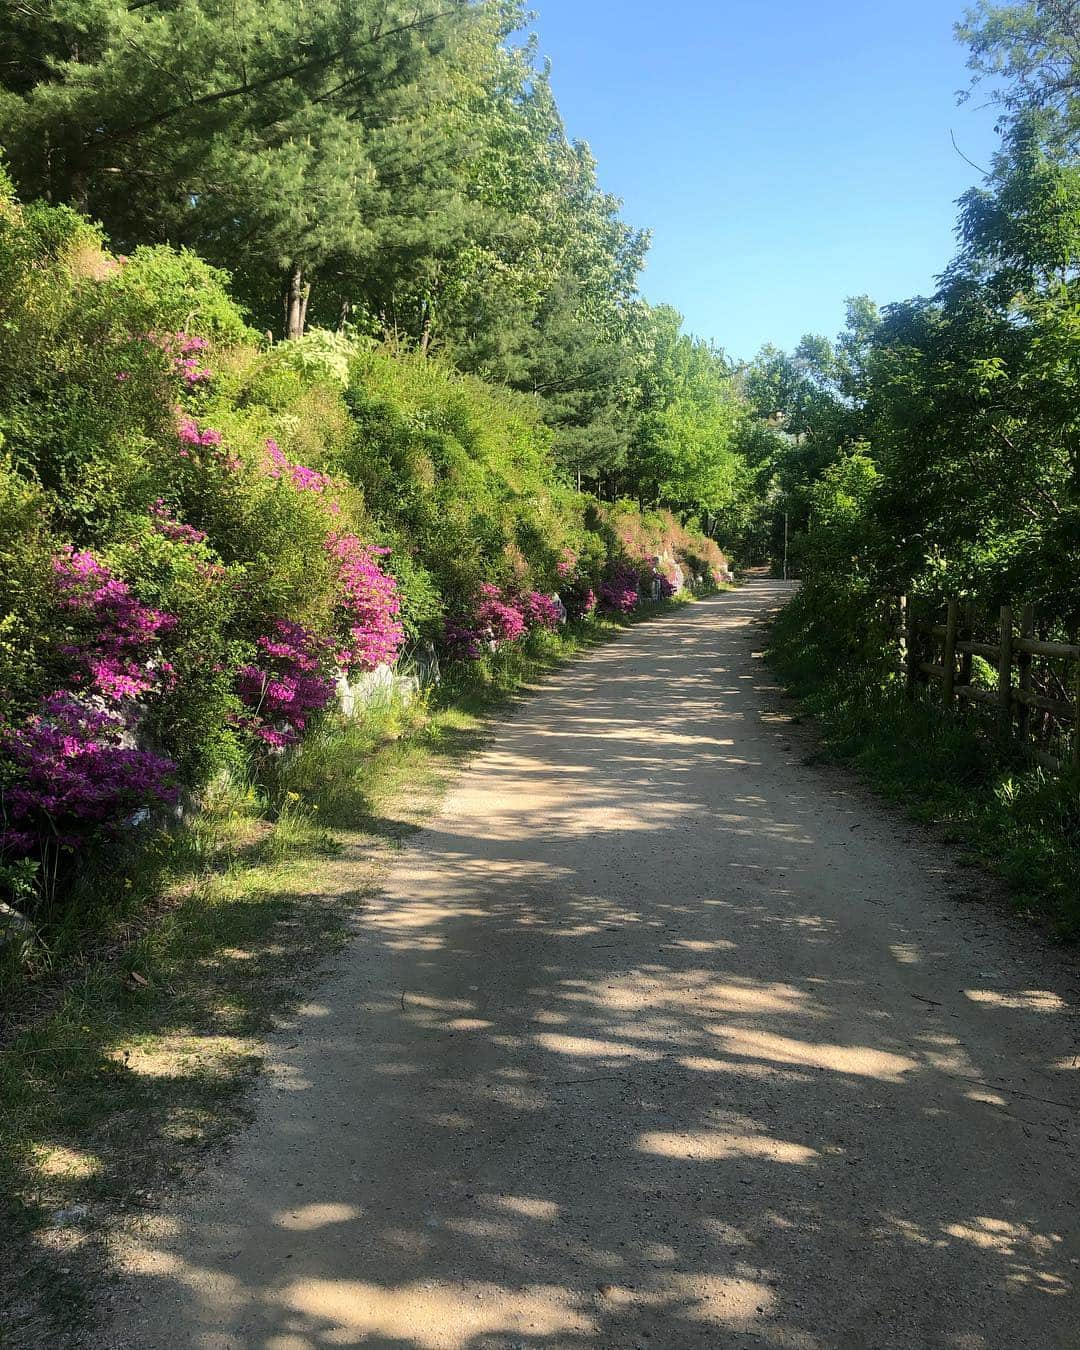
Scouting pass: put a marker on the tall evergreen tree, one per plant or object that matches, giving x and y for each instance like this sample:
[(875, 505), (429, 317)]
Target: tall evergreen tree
[(258, 131)]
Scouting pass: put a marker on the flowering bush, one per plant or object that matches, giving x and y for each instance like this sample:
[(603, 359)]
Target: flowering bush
[(182, 350), (113, 639), (301, 477), (190, 433), (195, 439), (575, 591), (73, 775), (495, 618), (370, 605), (579, 598), (172, 529), (661, 584), (462, 640), (292, 680), (541, 611), (634, 534), (619, 589)]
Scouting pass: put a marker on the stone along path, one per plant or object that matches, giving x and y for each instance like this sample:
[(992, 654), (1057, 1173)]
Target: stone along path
[(658, 1038)]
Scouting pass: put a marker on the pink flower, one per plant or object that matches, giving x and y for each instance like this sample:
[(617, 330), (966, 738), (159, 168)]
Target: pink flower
[(166, 524), (541, 611), (180, 348), (619, 589), (114, 639), (291, 677), (301, 477), (74, 777), (369, 607), (494, 618)]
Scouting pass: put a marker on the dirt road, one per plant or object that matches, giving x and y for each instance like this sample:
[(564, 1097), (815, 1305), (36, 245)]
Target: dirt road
[(659, 1038)]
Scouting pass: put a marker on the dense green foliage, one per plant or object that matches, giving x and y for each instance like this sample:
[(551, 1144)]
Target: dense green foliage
[(1001, 812), (398, 169), (935, 447)]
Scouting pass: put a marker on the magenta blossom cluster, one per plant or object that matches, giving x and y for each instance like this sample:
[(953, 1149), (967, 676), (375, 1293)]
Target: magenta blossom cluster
[(577, 595), (495, 618), (461, 639), (184, 351), (115, 639), (540, 611), (191, 433), (302, 478), (619, 589), (370, 604), (166, 524), (498, 615), (195, 439), (74, 776), (290, 681)]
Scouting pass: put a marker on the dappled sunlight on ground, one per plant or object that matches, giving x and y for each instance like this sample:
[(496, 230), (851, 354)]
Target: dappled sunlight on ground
[(652, 1041)]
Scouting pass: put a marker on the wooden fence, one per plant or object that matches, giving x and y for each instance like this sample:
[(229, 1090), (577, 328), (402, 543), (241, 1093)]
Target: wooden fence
[(1034, 696)]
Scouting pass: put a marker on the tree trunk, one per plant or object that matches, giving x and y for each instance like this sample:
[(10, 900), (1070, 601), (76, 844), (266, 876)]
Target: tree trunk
[(296, 298), (425, 327), (80, 191)]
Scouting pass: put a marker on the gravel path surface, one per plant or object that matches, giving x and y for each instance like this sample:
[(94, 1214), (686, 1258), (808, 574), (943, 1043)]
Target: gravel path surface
[(659, 1038)]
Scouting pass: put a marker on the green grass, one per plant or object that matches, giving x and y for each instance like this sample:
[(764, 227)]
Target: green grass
[(943, 768), (134, 1023)]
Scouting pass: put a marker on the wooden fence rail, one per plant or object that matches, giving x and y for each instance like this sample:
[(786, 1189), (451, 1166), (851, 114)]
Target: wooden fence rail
[(1033, 708)]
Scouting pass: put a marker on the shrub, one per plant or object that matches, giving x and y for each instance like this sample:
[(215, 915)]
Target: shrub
[(290, 679), (369, 604), (113, 641), (70, 774), (493, 618), (541, 611), (619, 589)]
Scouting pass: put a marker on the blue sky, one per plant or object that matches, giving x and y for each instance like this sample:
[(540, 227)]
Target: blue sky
[(785, 155)]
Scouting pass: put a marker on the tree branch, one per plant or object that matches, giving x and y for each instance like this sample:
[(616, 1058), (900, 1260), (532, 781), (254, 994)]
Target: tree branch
[(252, 86)]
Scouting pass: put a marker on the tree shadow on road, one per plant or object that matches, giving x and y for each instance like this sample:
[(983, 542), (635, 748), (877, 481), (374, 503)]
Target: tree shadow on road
[(651, 1042)]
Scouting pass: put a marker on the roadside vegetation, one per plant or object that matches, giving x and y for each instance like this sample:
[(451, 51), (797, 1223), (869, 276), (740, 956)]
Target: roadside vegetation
[(996, 808)]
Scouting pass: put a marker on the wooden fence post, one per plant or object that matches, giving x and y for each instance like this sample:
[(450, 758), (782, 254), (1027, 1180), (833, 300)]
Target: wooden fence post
[(967, 635), (1027, 630), (905, 645), (952, 623), (1076, 715), (1005, 660)]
